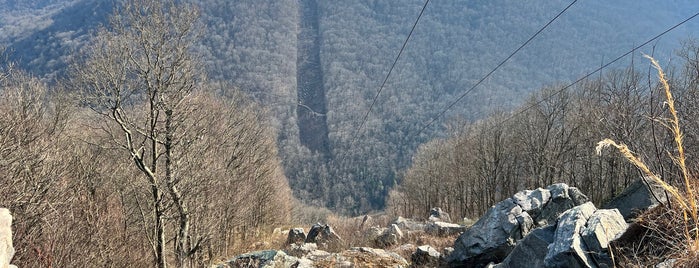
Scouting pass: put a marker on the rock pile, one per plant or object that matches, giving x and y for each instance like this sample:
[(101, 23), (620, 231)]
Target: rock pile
[(552, 227)]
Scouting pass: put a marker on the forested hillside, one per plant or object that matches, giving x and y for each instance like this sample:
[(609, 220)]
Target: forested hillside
[(317, 65)]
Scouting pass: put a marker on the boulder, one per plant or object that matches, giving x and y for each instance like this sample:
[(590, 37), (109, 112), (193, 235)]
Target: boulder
[(603, 226), (7, 250), (491, 238), (262, 259), (408, 224), (562, 198), (373, 233), (532, 201), (323, 235), (444, 228), (436, 214), (296, 235), (531, 251), (568, 249), (391, 236), (641, 195), (494, 236), (300, 250), (425, 256)]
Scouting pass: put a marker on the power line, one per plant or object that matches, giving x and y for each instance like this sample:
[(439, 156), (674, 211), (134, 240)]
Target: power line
[(390, 70), (451, 105), (596, 70)]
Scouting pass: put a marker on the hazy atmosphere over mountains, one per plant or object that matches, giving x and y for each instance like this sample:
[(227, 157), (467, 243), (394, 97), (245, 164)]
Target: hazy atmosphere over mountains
[(317, 65)]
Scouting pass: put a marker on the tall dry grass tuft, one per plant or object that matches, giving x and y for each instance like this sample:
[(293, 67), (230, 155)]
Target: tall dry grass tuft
[(685, 199)]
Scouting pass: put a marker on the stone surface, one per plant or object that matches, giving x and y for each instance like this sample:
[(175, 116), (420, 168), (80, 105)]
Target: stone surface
[(408, 224), (373, 233), (7, 251), (495, 234), (491, 238), (531, 251), (638, 197), (425, 256), (262, 259), (568, 249), (300, 250), (391, 236), (603, 226), (371, 257), (444, 228), (296, 235), (562, 198), (436, 214), (323, 235), (532, 201)]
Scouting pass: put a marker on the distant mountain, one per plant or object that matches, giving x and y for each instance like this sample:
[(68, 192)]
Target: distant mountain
[(316, 65)]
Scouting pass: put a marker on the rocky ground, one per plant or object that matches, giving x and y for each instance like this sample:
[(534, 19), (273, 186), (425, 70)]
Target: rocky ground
[(552, 227)]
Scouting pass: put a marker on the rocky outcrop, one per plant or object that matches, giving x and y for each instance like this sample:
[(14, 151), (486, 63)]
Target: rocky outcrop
[(444, 228), (425, 256), (296, 235), (603, 226), (567, 249), (324, 236), (391, 236), (494, 236), (531, 251), (262, 259), (641, 195), (437, 214), (579, 238), (408, 224), (7, 250)]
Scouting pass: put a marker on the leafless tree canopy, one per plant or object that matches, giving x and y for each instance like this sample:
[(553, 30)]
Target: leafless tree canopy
[(133, 161)]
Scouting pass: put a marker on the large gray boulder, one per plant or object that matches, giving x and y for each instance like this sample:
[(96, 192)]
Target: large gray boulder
[(495, 235), (7, 250), (491, 238), (603, 226), (531, 251), (641, 195), (562, 198), (568, 249), (580, 238)]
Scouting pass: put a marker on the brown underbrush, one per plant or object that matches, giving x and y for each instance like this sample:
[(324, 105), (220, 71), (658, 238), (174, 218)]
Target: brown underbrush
[(669, 232)]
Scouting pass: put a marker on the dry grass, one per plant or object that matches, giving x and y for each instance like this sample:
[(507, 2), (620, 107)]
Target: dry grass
[(656, 235)]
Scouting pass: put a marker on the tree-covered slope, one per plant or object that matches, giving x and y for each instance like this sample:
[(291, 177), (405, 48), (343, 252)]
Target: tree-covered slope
[(317, 65)]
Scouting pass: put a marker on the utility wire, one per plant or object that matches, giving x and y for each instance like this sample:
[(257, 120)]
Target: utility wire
[(451, 105), (596, 70), (373, 102)]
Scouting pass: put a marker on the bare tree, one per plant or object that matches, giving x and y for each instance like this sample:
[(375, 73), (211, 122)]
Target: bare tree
[(31, 170), (138, 75)]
